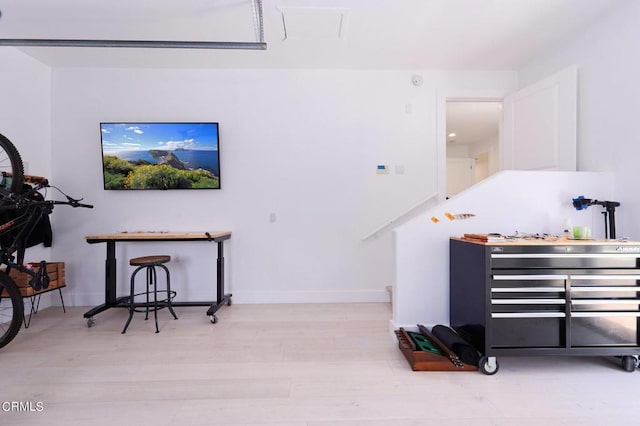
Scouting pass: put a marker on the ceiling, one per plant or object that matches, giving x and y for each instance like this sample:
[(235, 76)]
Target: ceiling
[(357, 34)]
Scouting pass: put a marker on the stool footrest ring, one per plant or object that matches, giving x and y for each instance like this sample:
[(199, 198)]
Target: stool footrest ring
[(143, 307)]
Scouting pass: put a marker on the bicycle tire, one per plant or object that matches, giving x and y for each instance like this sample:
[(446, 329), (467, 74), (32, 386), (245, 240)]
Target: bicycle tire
[(11, 163), (11, 309)]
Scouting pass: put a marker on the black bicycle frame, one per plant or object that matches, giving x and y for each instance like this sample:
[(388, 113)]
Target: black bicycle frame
[(25, 223)]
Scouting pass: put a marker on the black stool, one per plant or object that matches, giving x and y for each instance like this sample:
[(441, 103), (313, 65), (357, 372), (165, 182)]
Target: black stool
[(150, 263)]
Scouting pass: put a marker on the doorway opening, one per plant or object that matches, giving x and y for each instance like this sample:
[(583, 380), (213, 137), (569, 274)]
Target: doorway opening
[(473, 141)]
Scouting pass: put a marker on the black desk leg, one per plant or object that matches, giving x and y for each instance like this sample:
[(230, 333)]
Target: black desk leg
[(220, 272), (110, 299), (221, 298), (110, 274)]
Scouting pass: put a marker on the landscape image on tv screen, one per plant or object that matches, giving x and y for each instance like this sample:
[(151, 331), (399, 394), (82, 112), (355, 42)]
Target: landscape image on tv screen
[(160, 155)]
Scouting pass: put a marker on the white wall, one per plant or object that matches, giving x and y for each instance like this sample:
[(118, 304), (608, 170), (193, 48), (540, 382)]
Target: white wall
[(507, 202), (608, 105), (25, 108), (608, 101), (458, 151), (301, 144), (25, 119)]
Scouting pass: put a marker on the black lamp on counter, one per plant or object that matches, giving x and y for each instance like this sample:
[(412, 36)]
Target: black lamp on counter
[(609, 213)]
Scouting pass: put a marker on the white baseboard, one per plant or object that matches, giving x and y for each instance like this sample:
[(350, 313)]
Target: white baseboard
[(266, 297), (368, 296)]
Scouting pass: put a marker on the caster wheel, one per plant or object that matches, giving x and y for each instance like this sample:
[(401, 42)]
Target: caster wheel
[(488, 365), (229, 302), (629, 363), (213, 319), (91, 322)]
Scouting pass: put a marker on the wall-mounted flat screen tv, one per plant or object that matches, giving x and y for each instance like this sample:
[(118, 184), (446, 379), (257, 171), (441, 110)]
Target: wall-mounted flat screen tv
[(160, 155)]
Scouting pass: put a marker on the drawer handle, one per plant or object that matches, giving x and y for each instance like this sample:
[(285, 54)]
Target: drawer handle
[(604, 314), (528, 301), (604, 277), (530, 277), (528, 315), (565, 256), (605, 302), (606, 288), (528, 290)]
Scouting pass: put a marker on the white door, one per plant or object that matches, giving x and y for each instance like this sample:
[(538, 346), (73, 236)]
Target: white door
[(459, 175), (540, 125), (480, 167)]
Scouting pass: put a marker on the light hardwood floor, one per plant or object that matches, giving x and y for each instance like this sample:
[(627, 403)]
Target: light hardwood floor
[(287, 365)]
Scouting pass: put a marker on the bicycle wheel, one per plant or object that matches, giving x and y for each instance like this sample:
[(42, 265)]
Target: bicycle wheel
[(11, 164), (11, 309)]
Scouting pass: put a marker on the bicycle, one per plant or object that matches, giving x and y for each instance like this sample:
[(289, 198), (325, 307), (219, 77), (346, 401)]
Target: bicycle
[(22, 209)]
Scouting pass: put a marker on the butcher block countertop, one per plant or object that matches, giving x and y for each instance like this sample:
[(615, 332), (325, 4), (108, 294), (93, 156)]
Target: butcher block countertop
[(548, 241)]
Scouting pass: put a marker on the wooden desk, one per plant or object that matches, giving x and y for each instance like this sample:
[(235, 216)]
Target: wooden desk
[(111, 300)]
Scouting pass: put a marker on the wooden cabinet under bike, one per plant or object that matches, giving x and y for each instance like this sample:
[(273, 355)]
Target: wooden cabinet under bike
[(536, 297)]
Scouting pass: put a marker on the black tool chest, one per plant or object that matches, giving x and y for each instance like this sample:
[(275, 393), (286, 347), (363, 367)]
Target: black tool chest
[(539, 297)]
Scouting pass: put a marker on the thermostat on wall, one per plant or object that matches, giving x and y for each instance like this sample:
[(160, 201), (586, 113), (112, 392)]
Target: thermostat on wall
[(382, 169)]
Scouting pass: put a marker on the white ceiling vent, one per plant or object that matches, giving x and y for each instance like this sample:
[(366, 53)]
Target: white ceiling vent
[(314, 23)]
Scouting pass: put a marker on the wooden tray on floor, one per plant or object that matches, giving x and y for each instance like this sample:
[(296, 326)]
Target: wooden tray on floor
[(427, 361)]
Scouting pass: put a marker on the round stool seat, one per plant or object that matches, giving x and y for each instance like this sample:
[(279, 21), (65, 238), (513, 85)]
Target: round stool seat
[(149, 260)]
